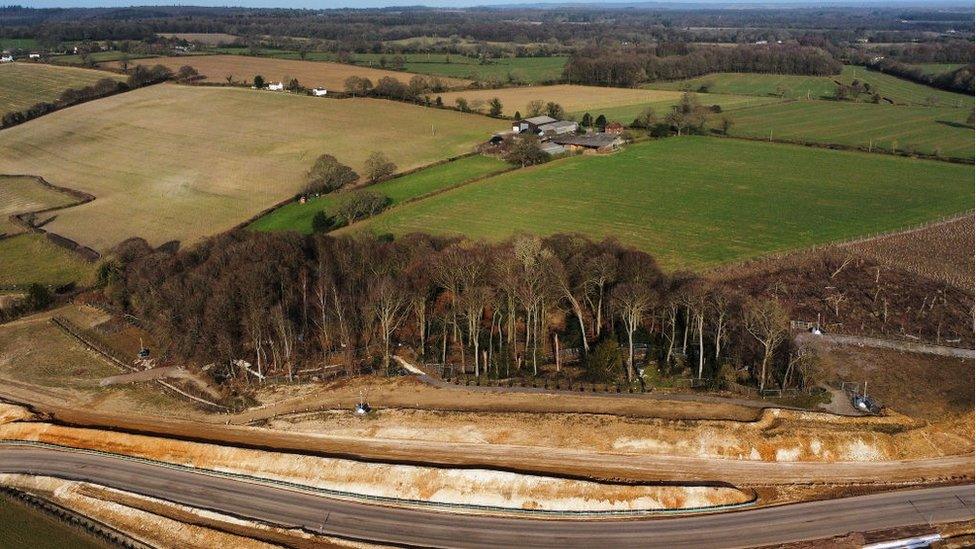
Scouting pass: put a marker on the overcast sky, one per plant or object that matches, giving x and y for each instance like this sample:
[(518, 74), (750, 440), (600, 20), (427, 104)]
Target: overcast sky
[(444, 3)]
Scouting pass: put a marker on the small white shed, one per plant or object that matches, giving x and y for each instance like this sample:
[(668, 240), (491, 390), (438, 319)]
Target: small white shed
[(319, 92)]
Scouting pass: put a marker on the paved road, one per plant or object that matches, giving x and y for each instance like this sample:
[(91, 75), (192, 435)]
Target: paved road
[(434, 529)]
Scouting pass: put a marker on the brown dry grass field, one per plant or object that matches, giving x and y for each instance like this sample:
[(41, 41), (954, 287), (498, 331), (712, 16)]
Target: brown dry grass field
[(622, 104), (24, 84), (243, 68), (20, 194), (172, 162)]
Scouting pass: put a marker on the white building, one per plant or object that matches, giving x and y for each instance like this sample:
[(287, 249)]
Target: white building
[(276, 86), (34, 56), (6, 59), (319, 92)]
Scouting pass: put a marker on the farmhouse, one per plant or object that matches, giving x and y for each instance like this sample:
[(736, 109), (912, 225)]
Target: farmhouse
[(6, 59), (597, 142), (319, 92), (614, 128), (276, 86)]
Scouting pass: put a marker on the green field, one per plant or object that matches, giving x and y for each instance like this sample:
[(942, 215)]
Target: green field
[(24, 84), (25, 194), (628, 113), (697, 201), (766, 85), (938, 68), (531, 70), (298, 217), (897, 90), (926, 130), (29, 258), (27, 528), (18, 43), (903, 91), (103, 57)]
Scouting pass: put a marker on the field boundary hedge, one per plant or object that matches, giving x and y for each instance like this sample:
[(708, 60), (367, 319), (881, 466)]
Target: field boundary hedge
[(23, 219)]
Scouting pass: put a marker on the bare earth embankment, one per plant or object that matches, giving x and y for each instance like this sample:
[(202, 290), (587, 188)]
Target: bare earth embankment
[(497, 489)]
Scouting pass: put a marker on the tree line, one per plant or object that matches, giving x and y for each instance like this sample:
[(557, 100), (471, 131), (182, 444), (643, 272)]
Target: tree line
[(631, 67), (959, 80), (258, 304)]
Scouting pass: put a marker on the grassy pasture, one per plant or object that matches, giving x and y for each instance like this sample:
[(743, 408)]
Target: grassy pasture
[(886, 127), (172, 162), (523, 69), (938, 68), (18, 43), (24, 194), (298, 217), (526, 69), (242, 68), (621, 104), (31, 257), (767, 85), (697, 201), (102, 57), (903, 91), (898, 90), (24, 84), (206, 38)]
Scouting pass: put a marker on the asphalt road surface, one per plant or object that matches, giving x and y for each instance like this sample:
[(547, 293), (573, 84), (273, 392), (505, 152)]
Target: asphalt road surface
[(400, 526)]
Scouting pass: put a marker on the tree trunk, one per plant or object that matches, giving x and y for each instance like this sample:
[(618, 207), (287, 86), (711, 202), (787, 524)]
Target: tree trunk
[(701, 343), (630, 355), (718, 336), (684, 343)]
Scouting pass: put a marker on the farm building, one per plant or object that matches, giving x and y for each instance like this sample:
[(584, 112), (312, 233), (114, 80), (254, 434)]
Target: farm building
[(6, 59), (598, 142), (553, 148), (276, 86), (532, 124), (614, 128), (559, 127), (319, 92)]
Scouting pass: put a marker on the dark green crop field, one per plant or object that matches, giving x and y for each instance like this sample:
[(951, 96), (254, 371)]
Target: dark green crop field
[(298, 217), (697, 201)]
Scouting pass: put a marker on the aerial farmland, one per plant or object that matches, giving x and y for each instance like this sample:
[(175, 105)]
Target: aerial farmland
[(575, 276), (219, 155)]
